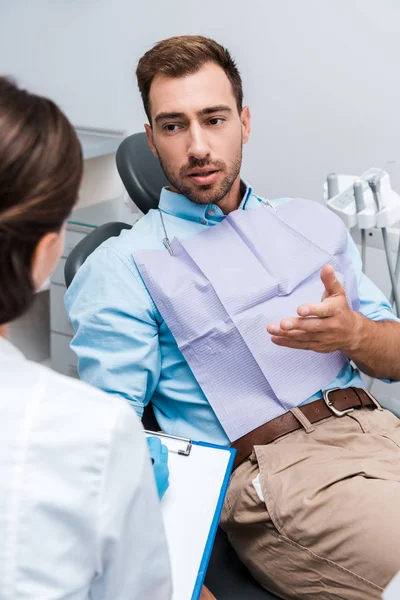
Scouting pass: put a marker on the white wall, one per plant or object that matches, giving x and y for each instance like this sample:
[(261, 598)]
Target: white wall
[(321, 76)]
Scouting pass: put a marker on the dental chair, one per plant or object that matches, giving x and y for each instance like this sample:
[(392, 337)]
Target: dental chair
[(143, 178)]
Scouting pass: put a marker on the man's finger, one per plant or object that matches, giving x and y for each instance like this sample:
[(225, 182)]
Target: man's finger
[(314, 345), (296, 344), (331, 282), (319, 309), (293, 327), (300, 336)]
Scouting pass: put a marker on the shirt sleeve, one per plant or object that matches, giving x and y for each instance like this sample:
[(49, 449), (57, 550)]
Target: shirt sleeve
[(373, 303), (132, 557), (116, 331)]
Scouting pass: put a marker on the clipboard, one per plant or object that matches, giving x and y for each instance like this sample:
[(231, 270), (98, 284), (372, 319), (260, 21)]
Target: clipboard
[(191, 508)]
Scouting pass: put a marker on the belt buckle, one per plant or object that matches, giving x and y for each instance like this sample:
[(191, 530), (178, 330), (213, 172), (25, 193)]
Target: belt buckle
[(373, 399), (335, 411)]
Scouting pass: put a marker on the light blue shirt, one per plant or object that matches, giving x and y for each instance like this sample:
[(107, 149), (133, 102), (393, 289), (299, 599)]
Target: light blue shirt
[(124, 346)]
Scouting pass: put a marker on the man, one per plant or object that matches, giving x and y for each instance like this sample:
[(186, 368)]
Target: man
[(203, 326)]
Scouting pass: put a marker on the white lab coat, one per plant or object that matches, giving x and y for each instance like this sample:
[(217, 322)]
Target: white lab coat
[(79, 513)]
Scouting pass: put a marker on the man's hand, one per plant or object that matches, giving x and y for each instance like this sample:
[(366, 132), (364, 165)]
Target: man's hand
[(159, 458), (325, 326)]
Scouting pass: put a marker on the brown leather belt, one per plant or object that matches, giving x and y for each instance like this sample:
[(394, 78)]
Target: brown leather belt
[(336, 402)]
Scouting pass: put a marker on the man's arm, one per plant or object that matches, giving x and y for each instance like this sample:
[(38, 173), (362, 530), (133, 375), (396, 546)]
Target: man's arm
[(116, 333), (375, 348)]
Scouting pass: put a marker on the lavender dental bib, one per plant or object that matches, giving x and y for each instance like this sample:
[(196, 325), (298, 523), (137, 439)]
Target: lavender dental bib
[(220, 289)]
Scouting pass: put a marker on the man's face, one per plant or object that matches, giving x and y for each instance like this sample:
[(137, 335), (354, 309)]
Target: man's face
[(197, 133)]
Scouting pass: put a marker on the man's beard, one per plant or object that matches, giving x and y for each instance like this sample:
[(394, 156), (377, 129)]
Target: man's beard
[(204, 194)]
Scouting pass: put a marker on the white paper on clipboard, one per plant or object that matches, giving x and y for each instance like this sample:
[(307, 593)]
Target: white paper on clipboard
[(191, 508)]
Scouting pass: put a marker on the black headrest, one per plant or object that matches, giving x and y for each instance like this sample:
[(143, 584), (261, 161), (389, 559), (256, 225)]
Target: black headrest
[(140, 171)]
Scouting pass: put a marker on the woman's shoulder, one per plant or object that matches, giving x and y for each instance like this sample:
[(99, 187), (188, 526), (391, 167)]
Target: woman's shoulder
[(68, 402)]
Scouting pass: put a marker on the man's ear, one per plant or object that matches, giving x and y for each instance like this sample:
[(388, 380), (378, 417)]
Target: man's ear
[(150, 139), (246, 124)]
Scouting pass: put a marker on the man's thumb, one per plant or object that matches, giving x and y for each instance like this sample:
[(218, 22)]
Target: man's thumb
[(332, 285)]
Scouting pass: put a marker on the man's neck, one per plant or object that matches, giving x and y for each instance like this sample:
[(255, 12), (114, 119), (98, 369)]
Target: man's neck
[(3, 331)]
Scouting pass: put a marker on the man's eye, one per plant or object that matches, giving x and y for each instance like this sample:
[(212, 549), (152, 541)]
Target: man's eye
[(216, 121), (171, 127)]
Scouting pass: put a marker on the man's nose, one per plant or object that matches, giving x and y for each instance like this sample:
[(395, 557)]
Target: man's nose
[(198, 146)]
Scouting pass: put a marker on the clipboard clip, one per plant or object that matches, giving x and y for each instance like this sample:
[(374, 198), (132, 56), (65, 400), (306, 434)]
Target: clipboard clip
[(187, 443)]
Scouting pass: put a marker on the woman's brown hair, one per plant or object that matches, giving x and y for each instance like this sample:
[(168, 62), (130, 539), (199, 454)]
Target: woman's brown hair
[(40, 174)]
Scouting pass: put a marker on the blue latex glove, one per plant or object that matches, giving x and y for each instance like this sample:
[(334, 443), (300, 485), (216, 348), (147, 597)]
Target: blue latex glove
[(159, 458)]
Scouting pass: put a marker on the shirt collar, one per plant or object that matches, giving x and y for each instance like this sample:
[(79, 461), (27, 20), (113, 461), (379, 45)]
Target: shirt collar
[(180, 206)]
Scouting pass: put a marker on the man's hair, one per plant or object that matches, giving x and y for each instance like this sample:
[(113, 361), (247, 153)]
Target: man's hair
[(185, 55)]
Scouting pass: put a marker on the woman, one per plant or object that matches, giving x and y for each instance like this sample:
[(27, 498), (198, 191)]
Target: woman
[(79, 513)]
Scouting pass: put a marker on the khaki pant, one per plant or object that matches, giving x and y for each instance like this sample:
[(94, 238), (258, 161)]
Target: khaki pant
[(329, 525)]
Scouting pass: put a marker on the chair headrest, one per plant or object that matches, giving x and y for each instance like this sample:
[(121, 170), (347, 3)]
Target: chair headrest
[(140, 171)]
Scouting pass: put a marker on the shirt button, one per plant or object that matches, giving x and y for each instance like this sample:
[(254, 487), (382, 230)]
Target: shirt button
[(203, 222), (211, 211)]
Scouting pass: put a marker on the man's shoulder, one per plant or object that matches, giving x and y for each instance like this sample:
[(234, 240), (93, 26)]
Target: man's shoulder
[(275, 202), (114, 251), (292, 201), (303, 204), (143, 234)]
